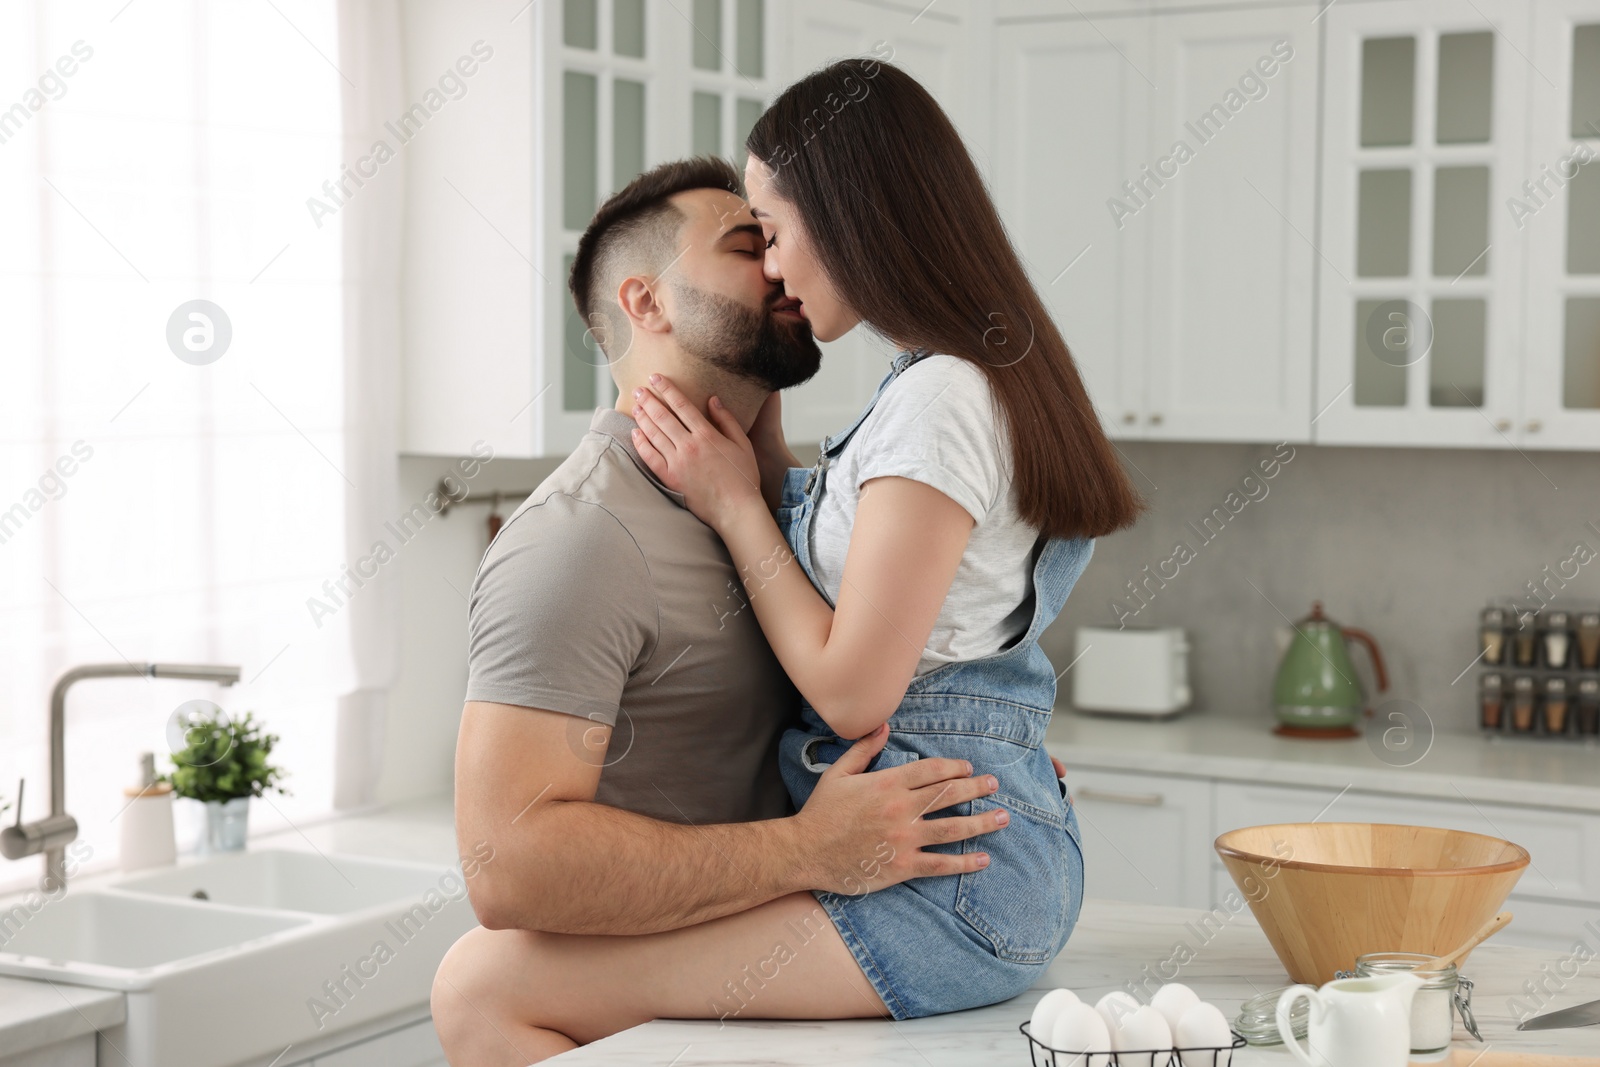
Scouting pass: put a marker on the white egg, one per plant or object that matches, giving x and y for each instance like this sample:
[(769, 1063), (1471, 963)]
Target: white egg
[(1143, 1029), (1043, 1022), (1172, 1000), (1080, 1029), (1203, 1026), (1115, 1006)]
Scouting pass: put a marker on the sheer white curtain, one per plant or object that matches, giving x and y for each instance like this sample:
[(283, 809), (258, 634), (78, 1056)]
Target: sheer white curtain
[(166, 496)]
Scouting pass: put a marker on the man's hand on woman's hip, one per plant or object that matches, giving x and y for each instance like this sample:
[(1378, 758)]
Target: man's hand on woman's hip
[(866, 831)]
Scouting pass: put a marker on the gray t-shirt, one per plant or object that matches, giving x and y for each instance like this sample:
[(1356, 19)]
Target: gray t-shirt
[(936, 424), (604, 598)]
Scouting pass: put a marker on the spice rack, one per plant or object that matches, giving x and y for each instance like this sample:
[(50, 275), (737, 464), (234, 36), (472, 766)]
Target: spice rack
[(1539, 671)]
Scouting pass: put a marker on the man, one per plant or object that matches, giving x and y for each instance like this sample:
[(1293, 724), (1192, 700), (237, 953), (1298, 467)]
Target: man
[(618, 747)]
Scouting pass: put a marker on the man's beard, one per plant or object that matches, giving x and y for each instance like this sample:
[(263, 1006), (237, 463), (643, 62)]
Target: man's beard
[(749, 344)]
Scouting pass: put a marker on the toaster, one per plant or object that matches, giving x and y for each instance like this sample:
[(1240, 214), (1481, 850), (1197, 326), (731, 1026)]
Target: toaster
[(1134, 671)]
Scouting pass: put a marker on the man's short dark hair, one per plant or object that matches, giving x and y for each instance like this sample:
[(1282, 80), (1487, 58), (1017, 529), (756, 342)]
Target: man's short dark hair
[(636, 230)]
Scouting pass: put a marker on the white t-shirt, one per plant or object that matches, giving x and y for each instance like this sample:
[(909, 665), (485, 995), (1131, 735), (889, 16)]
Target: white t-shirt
[(936, 424)]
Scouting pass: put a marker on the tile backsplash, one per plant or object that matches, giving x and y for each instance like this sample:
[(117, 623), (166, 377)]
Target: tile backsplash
[(1408, 544)]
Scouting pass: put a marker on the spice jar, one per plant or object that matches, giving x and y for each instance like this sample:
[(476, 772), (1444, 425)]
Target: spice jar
[(1431, 1020), (1589, 640), (1555, 705), (1492, 631), (1525, 640), (1522, 700), (1555, 635), (1492, 699), (1589, 705)]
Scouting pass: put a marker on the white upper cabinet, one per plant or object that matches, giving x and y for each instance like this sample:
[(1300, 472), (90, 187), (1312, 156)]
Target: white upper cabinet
[(470, 259), (592, 93), (1094, 9), (1157, 172), (1364, 222), (1229, 190), (1556, 204), (1421, 310), (1072, 115), (931, 47)]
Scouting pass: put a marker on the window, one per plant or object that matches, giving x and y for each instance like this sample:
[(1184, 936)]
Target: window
[(174, 475)]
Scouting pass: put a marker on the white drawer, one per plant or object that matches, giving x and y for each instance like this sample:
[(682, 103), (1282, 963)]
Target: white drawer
[(1549, 927), (416, 1045), (1564, 845), (1221, 885), (74, 1052), (1146, 838)]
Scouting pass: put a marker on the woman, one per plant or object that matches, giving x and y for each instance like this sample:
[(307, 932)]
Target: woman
[(940, 532), (937, 536)]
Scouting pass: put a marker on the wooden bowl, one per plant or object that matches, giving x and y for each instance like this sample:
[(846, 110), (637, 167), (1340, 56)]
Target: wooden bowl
[(1325, 893)]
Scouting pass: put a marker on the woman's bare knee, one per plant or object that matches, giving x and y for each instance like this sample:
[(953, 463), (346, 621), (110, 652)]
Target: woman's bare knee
[(455, 990), (479, 1002)]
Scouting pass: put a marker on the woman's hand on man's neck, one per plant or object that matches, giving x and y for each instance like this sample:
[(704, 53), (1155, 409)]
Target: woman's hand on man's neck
[(699, 383)]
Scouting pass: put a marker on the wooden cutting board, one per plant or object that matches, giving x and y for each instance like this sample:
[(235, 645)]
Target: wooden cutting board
[(1464, 1057)]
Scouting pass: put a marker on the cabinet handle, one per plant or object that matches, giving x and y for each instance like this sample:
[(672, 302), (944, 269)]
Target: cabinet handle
[(1130, 417), (1149, 800), (1503, 425), (1534, 426), (1155, 418)]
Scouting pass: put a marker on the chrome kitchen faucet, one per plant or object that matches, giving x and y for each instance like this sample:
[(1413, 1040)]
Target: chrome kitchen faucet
[(53, 833)]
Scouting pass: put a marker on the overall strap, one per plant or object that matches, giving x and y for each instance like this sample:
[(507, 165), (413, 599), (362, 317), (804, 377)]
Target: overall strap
[(833, 444)]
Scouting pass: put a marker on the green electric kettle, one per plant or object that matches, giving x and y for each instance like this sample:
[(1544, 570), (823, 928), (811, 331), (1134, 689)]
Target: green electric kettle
[(1317, 692)]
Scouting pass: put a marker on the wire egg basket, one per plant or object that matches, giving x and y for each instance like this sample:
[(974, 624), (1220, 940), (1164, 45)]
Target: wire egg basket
[(1045, 1056)]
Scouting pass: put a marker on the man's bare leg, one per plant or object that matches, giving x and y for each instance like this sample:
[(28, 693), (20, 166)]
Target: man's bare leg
[(507, 998)]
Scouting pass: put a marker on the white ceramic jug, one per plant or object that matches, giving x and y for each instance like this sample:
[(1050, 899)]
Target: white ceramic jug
[(1354, 1022)]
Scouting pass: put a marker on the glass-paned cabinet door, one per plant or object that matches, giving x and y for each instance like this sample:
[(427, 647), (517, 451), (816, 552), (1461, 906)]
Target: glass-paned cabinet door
[(1421, 265), (1558, 215), (597, 117), (730, 75), (620, 86)]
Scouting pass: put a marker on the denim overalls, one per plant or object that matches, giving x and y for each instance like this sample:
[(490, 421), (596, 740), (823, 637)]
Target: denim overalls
[(957, 941)]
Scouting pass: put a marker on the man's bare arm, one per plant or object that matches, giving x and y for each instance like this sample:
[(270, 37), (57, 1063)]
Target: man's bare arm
[(525, 784)]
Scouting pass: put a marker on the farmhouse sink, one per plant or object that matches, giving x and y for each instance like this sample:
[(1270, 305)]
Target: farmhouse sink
[(118, 942), (241, 955), (292, 881)]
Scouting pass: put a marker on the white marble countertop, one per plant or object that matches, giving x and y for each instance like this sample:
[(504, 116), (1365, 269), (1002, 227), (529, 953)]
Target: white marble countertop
[(1111, 945), (1510, 770), (34, 1014), (1113, 940)]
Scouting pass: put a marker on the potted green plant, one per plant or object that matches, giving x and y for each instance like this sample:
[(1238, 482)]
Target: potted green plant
[(223, 764)]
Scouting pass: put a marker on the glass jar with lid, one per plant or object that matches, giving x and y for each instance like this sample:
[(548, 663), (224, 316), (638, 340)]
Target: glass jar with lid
[(1432, 1021), (1258, 1018)]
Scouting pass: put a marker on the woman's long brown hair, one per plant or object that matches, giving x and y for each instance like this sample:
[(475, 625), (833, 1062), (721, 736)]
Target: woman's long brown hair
[(906, 232)]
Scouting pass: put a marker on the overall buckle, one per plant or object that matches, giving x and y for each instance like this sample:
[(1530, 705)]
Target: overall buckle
[(821, 465)]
